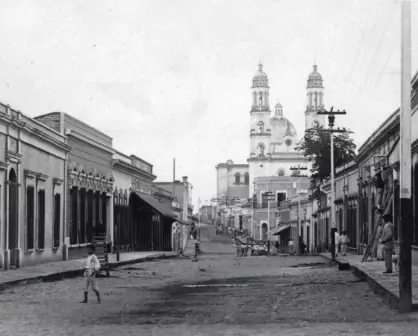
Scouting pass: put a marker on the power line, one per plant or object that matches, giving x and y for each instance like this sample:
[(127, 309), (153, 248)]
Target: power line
[(358, 53), (360, 88), (383, 69), (380, 43)]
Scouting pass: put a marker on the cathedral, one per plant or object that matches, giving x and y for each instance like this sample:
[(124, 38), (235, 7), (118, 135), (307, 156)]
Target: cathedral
[(273, 138)]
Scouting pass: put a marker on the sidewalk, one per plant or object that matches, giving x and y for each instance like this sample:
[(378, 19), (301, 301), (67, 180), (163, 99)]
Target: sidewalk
[(53, 271), (372, 272)]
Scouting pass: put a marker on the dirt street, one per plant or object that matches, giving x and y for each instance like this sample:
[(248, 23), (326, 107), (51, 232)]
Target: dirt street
[(218, 295)]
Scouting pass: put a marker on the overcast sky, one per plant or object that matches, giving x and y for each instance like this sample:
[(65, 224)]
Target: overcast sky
[(169, 78)]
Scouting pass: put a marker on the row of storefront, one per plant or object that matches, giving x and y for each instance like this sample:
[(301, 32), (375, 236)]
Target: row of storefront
[(356, 195), (62, 182)]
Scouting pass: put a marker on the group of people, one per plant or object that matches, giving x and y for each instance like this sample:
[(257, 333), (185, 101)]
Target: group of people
[(383, 244), (341, 243), (242, 244)]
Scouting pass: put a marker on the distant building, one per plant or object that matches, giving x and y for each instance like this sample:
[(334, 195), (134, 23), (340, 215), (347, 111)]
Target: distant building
[(182, 196)]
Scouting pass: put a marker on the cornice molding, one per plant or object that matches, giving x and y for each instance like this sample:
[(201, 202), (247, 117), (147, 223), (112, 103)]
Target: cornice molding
[(129, 168), (90, 141), (10, 120)]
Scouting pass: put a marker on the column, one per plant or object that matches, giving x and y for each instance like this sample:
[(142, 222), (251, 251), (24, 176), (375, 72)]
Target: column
[(110, 226), (6, 257)]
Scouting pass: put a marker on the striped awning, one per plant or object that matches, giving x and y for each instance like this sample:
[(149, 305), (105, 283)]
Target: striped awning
[(279, 229)]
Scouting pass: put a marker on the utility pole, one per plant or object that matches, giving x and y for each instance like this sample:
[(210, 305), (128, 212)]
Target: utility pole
[(269, 194), (253, 212), (331, 130), (298, 175), (405, 258)]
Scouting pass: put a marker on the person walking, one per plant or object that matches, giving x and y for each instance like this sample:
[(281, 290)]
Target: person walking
[(387, 241), (337, 242), (378, 247), (92, 266), (345, 240)]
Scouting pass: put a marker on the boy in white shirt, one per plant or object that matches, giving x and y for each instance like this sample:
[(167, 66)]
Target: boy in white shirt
[(92, 266)]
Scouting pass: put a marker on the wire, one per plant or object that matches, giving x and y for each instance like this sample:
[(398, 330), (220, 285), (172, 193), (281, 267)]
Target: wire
[(380, 43), (358, 53), (372, 63), (383, 69)]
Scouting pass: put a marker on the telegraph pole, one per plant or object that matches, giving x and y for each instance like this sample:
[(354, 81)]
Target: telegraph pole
[(298, 175), (331, 120), (405, 258)]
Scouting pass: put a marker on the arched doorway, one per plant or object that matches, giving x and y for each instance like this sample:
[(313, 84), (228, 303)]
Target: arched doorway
[(264, 232), (13, 217)]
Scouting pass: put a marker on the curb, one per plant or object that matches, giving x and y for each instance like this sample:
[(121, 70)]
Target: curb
[(67, 274), (391, 298)]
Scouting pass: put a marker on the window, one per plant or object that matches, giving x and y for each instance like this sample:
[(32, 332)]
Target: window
[(30, 201), (260, 125), (237, 178), (41, 219), (57, 220), (247, 178), (281, 196)]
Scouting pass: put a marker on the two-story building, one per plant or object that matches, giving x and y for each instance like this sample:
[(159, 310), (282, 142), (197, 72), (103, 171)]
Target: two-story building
[(281, 188)]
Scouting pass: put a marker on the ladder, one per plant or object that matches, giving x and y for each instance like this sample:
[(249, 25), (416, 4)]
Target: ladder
[(387, 202), (99, 242)]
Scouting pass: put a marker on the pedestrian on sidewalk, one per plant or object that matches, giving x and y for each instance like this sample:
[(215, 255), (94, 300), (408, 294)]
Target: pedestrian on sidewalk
[(337, 242), (92, 266), (345, 240), (387, 241), (378, 247)]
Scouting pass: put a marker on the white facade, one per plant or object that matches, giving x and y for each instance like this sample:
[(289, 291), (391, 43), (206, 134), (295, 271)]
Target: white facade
[(273, 138)]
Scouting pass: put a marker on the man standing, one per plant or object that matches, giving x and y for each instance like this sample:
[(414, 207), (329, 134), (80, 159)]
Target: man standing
[(387, 241)]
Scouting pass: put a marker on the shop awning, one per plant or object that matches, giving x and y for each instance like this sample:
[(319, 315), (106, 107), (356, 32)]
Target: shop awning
[(280, 229), (272, 232), (164, 209)]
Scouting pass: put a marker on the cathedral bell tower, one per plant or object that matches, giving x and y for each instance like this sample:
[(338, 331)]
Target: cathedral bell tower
[(315, 100), (260, 115)]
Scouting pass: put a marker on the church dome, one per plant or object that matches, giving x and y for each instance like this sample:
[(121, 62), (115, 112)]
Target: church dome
[(278, 105), (260, 78), (315, 78), (281, 129)]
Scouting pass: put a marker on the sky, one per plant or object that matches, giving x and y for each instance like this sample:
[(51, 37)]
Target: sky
[(171, 79)]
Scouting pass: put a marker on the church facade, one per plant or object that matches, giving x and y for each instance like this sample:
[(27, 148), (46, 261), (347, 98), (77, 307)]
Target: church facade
[(273, 139)]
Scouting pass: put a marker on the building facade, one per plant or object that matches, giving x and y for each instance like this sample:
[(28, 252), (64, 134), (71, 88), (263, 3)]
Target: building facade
[(355, 188), (273, 138), (266, 212), (89, 181), (33, 175), (134, 219)]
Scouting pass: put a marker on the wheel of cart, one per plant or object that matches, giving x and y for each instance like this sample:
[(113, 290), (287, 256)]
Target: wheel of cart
[(99, 242)]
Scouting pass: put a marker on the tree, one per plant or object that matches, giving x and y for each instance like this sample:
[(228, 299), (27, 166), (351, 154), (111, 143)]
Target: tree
[(316, 146)]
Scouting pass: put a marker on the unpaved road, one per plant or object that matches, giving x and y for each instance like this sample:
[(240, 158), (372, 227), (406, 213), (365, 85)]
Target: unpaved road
[(218, 295)]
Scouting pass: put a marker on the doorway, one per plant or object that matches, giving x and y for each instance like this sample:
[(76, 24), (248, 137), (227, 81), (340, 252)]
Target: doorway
[(13, 217), (264, 232)]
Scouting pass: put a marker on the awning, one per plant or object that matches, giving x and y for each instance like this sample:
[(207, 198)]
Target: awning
[(280, 229), (272, 232), (164, 209)]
